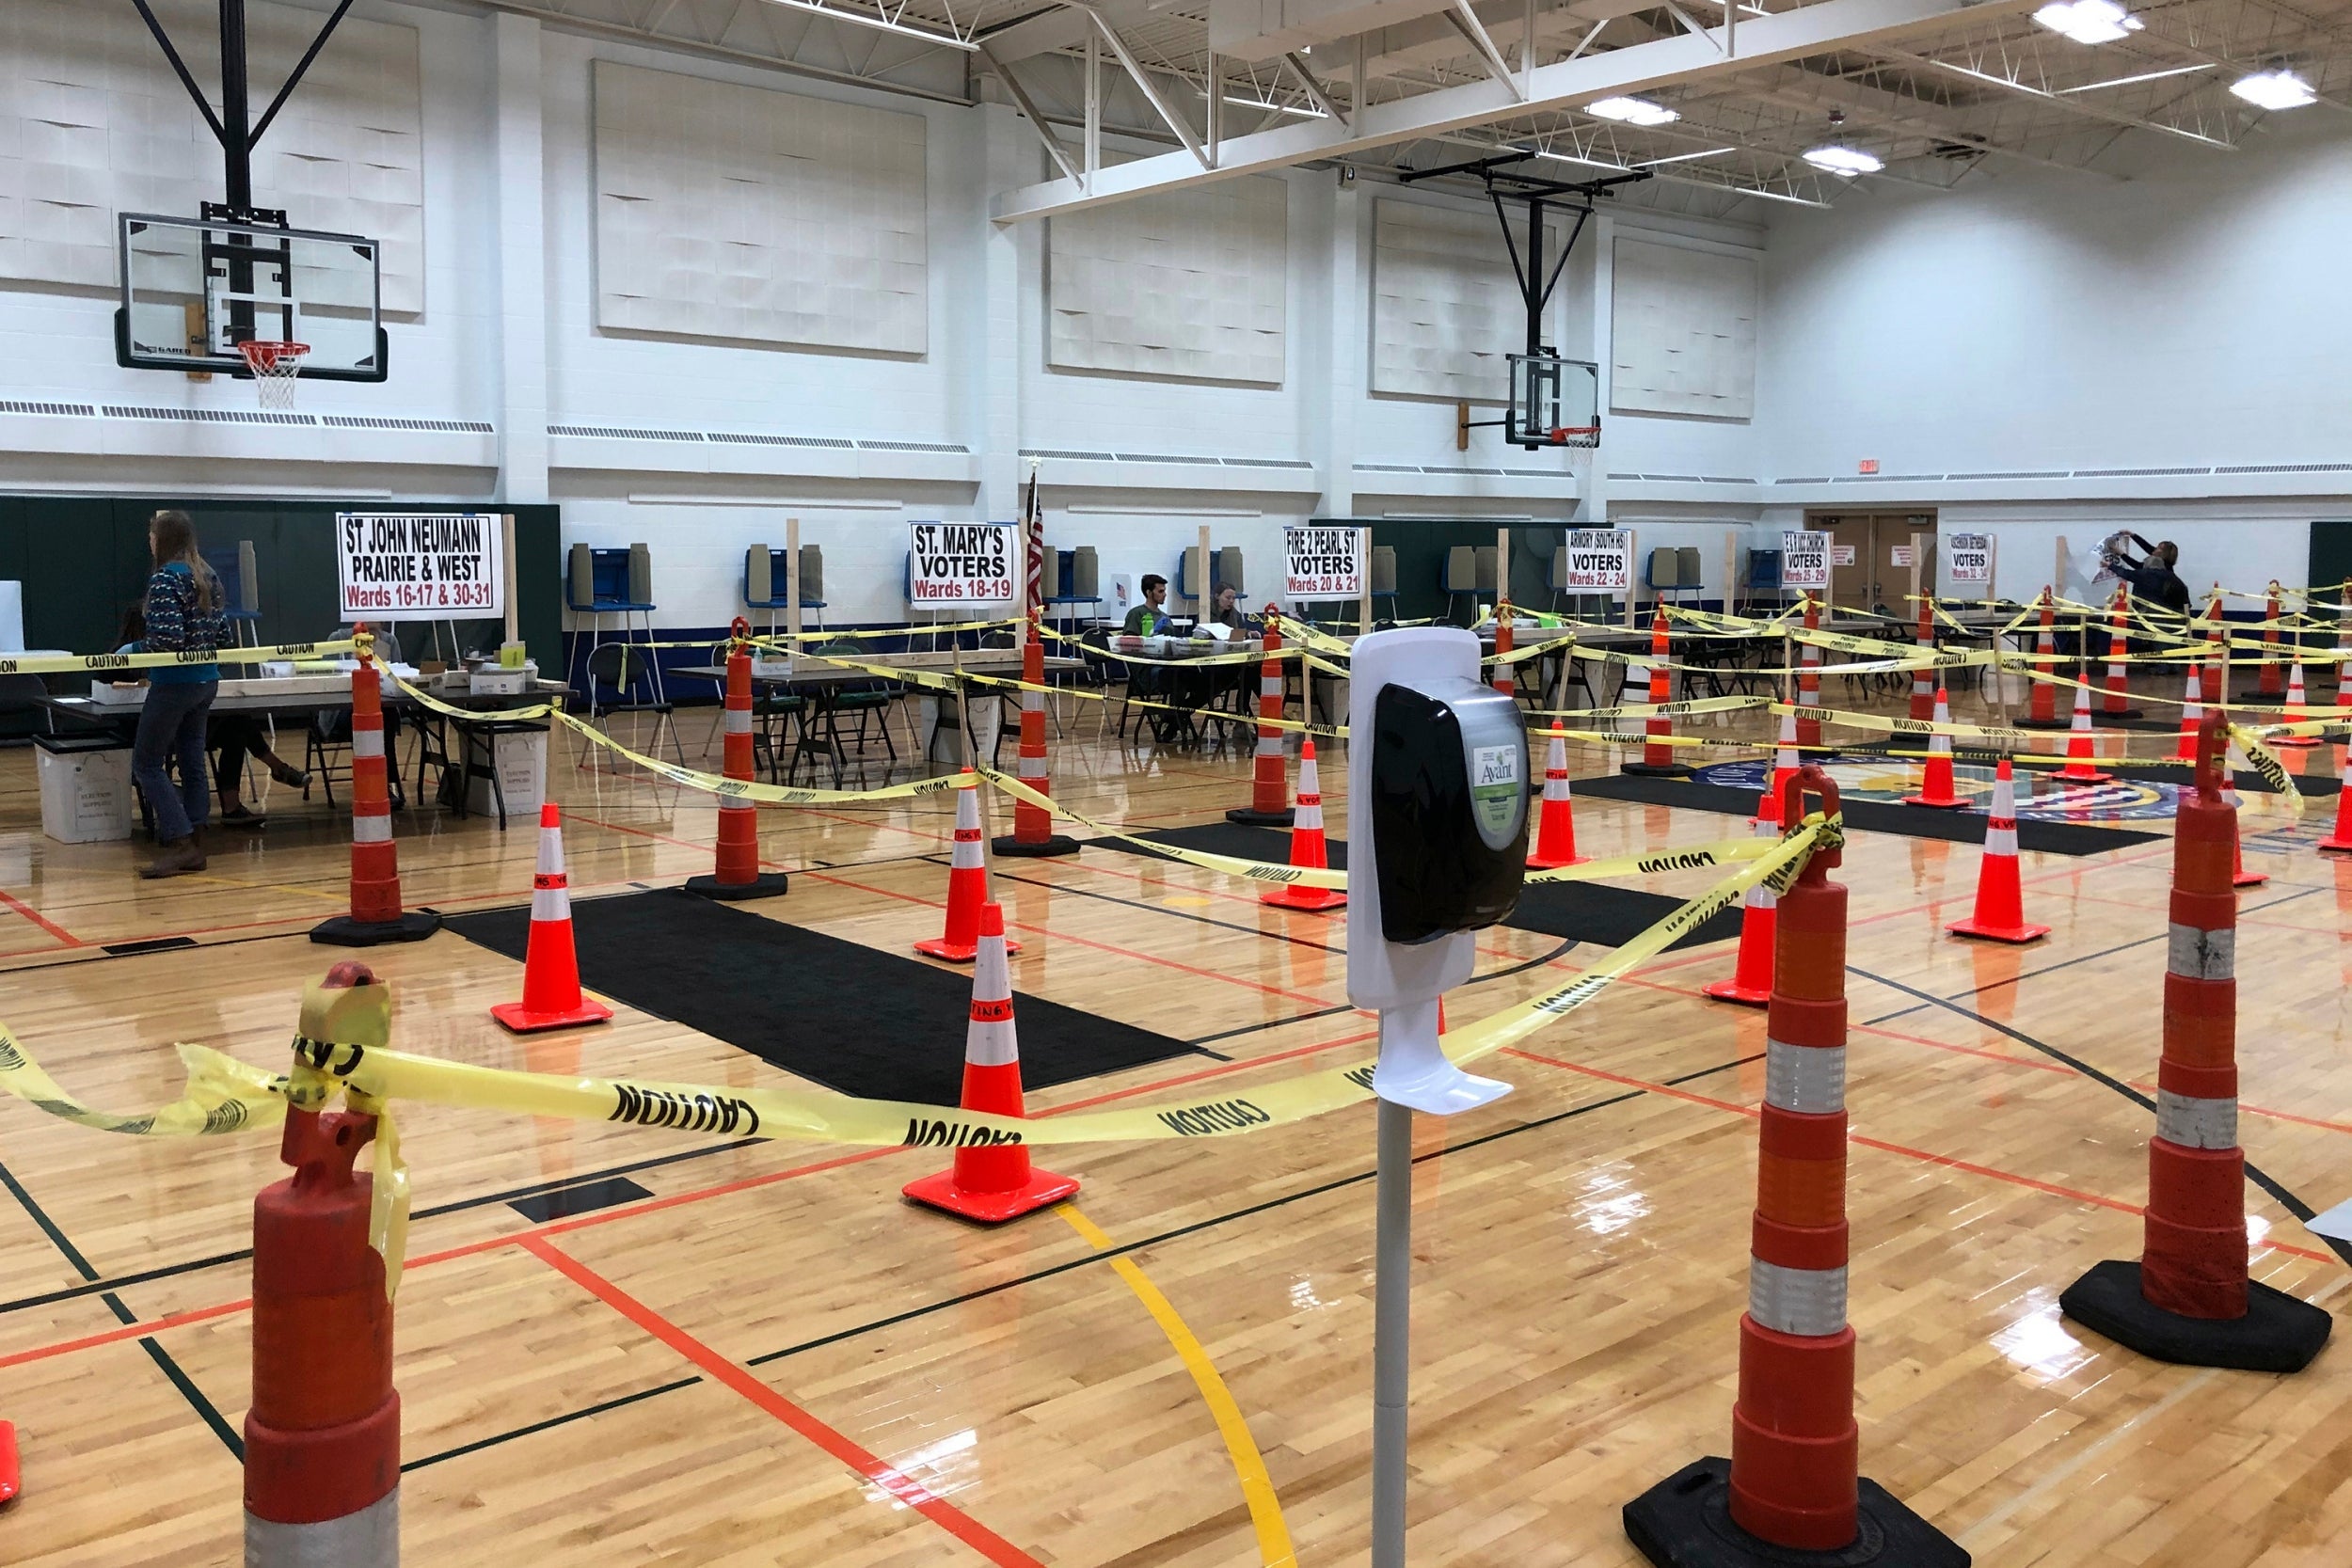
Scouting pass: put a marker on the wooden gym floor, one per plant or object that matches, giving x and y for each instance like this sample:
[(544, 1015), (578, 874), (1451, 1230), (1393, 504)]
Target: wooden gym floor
[(772, 1360)]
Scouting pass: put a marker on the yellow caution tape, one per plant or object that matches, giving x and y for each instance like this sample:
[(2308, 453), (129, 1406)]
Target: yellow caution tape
[(220, 1096), (1648, 710), (51, 664), (2016, 740)]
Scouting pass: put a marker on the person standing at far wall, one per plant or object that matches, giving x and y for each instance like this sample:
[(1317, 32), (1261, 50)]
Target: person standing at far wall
[(185, 606)]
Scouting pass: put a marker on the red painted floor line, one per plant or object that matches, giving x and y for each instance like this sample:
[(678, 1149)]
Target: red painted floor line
[(11, 901), (744, 1382)]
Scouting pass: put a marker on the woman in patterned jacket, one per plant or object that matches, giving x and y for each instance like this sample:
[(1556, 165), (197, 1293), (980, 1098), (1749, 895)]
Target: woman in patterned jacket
[(184, 616)]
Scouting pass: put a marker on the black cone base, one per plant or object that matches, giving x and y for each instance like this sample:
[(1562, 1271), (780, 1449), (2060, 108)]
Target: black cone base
[(1656, 769), (2278, 1333), (1252, 817), (768, 885), (1685, 1522), (1053, 844), (2101, 716), (2064, 722), (343, 931)]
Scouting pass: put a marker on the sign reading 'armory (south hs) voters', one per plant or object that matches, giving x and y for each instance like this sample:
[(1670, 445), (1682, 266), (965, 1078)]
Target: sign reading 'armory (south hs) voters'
[(1323, 563), (1803, 559), (1601, 561), (963, 565), (419, 565)]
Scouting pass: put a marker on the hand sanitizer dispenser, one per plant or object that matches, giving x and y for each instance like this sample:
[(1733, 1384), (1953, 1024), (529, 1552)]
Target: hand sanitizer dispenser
[(1437, 790)]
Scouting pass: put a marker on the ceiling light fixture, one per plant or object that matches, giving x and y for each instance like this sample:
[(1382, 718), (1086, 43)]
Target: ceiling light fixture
[(2143, 76), (2277, 88), (1303, 111), (1685, 157), (2088, 21), (1588, 163), (1844, 162), (1633, 111)]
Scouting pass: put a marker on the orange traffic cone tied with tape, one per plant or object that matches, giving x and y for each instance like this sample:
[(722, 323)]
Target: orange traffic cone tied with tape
[(375, 915), (1751, 982), (1658, 756), (1269, 795), (2081, 758), (736, 876), (1032, 825), (991, 1183), (1307, 848)]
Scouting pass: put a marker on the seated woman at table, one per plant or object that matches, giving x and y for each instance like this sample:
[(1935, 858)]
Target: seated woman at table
[(234, 736), (1229, 612)]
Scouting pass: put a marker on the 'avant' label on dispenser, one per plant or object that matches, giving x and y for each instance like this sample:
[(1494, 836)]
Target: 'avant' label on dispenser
[(1494, 787)]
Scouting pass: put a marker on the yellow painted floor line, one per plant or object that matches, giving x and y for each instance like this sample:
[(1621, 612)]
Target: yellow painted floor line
[(1257, 1487)]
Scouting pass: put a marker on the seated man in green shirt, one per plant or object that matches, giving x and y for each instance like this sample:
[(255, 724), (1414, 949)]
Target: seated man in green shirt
[(1146, 619)]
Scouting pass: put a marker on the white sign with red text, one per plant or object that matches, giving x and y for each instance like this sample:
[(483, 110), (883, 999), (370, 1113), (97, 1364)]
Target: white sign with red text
[(419, 566), (963, 565)]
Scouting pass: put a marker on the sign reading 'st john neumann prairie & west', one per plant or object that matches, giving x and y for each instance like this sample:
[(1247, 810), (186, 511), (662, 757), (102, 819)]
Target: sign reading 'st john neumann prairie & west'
[(963, 565), (419, 566)]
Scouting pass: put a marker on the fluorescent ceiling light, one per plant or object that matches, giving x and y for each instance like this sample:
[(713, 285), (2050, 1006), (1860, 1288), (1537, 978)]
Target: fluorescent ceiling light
[(2088, 21), (1685, 157), (865, 18), (1588, 163), (1844, 162), (1280, 108), (1633, 111), (2274, 90), (2143, 76)]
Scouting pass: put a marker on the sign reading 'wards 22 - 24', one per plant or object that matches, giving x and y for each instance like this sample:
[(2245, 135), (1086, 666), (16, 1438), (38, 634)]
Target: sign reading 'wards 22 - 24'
[(963, 565)]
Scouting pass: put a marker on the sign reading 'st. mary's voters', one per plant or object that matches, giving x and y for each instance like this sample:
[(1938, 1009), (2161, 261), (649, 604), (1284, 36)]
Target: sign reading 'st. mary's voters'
[(1600, 560), (963, 565), (419, 566), (1803, 559), (1323, 563)]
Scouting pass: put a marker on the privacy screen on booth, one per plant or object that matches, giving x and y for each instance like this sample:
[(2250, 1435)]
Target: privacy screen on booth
[(963, 565), (419, 566)]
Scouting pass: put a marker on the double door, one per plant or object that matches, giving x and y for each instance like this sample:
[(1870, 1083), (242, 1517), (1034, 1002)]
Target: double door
[(1870, 555)]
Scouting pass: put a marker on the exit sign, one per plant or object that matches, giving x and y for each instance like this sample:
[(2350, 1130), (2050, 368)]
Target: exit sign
[(1867, 465)]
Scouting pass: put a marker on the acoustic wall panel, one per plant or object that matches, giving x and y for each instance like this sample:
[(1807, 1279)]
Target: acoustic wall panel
[(1682, 331), (1188, 284), (93, 123), (759, 216), (1446, 307)]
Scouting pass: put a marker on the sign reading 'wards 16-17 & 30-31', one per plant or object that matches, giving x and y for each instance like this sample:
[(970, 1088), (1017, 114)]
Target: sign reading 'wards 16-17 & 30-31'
[(963, 565), (419, 566), (1323, 563)]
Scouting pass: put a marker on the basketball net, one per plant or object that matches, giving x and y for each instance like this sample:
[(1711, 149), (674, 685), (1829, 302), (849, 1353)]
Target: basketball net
[(274, 365)]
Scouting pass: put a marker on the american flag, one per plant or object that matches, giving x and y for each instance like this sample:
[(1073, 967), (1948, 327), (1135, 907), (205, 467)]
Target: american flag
[(1033, 543)]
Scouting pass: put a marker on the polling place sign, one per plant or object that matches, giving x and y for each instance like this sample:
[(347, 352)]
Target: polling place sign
[(963, 565), (419, 565), (1803, 559), (1323, 563), (1601, 561), (1967, 558)]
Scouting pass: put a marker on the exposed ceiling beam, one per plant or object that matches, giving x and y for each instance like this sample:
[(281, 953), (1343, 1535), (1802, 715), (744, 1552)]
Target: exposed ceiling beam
[(1063, 28), (1866, 26), (2071, 102), (1175, 122), (1020, 101), (1314, 90), (1466, 23)]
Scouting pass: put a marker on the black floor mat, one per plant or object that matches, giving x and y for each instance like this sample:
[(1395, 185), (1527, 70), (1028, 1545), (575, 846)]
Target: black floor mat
[(854, 1019), (1869, 816), (1580, 911)]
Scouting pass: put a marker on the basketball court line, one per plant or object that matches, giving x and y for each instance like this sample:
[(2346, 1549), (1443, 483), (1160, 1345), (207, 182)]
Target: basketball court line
[(11, 901)]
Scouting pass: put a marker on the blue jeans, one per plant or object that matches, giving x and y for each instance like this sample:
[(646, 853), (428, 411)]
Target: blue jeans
[(171, 724)]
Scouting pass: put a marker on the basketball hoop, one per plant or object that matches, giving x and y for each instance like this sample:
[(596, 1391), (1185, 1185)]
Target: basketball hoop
[(274, 365)]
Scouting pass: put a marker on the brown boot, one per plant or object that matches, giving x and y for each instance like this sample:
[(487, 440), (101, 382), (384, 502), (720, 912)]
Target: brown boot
[(176, 858)]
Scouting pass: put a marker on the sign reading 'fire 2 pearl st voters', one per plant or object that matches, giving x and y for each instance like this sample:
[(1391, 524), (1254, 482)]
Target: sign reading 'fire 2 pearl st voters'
[(963, 565), (1600, 560), (1323, 563), (1803, 559), (419, 566), (1967, 558)]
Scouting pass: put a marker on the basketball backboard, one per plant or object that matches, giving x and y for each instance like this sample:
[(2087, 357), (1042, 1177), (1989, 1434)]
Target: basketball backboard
[(1554, 401), (195, 287)]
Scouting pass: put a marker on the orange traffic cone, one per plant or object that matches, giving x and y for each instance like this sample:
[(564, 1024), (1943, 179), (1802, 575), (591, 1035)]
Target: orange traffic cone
[(1751, 982), (2239, 876), (10, 1482), (1033, 826), (1269, 801), (2117, 702), (2192, 716), (1785, 764), (2082, 764), (1808, 731), (375, 914), (2340, 841), (1658, 756), (1792, 1490), (1555, 823), (1306, 845), (551, 994), (2001, 914), (967, 883), (736, 876), (2297, 710), (991, 1183), (2042, 714), (1506, 678), (2187, 1299), (1936, 789), (2266, 679)]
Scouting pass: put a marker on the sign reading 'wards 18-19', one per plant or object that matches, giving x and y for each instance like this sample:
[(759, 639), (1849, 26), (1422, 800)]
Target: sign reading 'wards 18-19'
[(1323, 563), (1600, 560), (1803, 559), (963, 565), (419, 566)]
